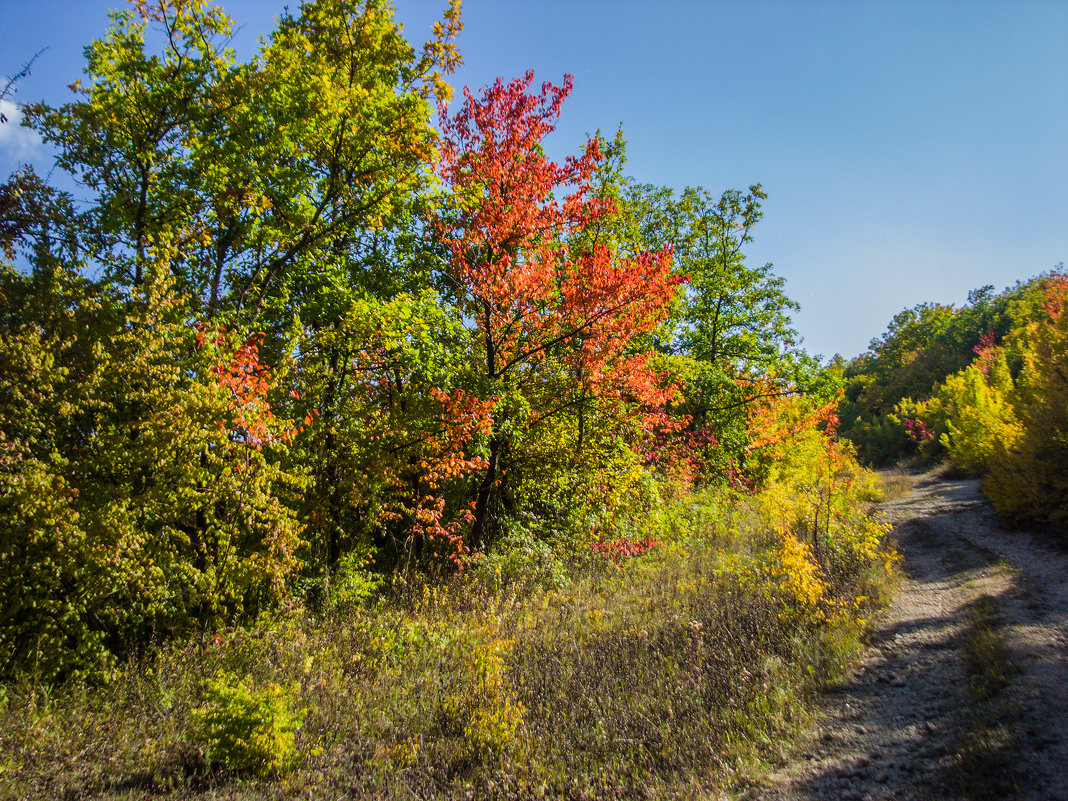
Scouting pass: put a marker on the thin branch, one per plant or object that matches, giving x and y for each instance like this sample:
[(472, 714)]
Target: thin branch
[(9, 87)]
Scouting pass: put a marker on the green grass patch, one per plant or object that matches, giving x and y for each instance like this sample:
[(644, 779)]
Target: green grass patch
[(986, 658)]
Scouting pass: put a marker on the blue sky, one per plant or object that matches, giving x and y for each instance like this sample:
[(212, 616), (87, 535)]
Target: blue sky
[(911, 151)]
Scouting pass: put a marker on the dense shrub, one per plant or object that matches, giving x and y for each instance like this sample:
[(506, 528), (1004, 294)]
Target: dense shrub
[(140, 491), (1029, 472), (976, 414), (244, 728)]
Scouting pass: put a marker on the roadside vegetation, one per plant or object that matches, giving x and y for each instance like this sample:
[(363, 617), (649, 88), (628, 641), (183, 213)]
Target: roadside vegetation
[(989, 745), (982, 387), (675, 669)]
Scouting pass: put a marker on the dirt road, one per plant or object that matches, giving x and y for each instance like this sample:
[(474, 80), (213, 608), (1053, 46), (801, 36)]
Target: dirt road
[(923, 717)]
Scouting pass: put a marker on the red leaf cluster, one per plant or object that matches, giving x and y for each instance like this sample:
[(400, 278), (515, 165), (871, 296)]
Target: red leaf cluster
[(248, 381), (444, 458), (1056, 290), (986, 352), (529, 294), (619, 550)]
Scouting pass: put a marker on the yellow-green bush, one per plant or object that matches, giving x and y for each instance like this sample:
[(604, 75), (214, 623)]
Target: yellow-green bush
[(247, 729), (1029, 473), (978, 415), (130, 511), (799, 580), (482, 705), (814, 492)]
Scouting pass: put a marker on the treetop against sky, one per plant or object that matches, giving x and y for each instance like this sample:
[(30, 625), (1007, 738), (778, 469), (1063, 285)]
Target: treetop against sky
[(910, 151)]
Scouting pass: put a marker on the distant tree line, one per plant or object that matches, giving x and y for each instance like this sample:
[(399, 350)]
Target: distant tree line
[(984, 386)]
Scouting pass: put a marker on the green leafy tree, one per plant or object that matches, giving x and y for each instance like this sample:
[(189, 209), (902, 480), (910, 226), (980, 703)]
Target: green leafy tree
[(254, 172), (287, 193), (729, 341), (921, 348)]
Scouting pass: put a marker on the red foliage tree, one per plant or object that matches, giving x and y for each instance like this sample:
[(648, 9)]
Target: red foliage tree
[(1056, 290), (530, 296)]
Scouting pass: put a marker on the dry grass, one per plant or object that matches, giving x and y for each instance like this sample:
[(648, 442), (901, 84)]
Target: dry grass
[(985, 769), (672, 674), (895, 483)]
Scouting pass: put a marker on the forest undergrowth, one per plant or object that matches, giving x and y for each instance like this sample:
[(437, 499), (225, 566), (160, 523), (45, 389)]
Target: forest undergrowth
[(670, 660)]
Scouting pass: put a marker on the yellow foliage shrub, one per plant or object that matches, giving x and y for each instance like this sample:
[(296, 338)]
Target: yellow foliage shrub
[(798, 576), (1029, 473), (978, 415), (483, 705), (815, 498), (245, 728)]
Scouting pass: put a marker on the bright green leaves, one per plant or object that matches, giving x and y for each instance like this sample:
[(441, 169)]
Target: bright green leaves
[(129, 137), (733, 314), (241, 172), (132, 506)]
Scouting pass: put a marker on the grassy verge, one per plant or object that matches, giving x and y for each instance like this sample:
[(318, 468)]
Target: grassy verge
[(895, 483), (620, 677), (986, 659), (987, 746)]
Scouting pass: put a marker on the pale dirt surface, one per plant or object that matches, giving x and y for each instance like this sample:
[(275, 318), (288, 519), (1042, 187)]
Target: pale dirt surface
[(897, 728)]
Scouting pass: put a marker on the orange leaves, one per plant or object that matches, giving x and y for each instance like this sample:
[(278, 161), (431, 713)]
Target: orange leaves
[(1056, 291), (554, 322), (530, 296), (780, 420), (432, 463), (792, 440), (247, 381), (492, 147), (464, 415), (609, 300)]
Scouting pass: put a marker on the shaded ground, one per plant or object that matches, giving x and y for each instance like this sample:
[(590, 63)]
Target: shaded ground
[(911, 722)]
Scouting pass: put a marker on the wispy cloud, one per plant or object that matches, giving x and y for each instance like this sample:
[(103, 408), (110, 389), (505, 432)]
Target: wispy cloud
[(16, 143)]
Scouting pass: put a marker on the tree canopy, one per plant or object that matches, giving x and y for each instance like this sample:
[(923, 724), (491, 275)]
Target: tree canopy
[(294, 329)]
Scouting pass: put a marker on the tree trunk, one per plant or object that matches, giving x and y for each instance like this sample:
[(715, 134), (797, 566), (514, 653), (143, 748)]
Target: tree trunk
[(485, 494)]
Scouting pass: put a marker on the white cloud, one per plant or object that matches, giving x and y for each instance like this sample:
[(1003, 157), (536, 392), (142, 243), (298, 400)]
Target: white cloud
[(16, 143)]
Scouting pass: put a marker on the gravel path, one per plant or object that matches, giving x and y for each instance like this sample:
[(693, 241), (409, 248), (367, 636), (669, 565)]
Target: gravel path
[(908, 724)]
